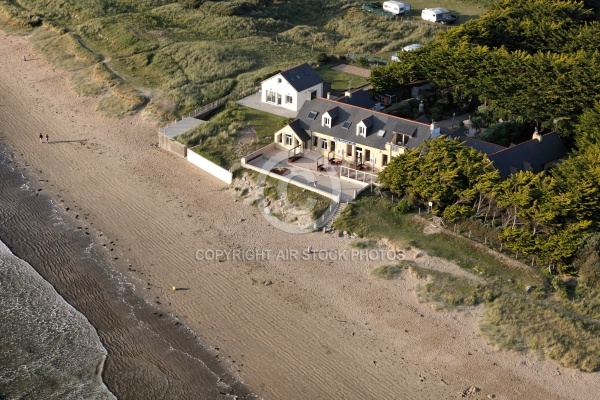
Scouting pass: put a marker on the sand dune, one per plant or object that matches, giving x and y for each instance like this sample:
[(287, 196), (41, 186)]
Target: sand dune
[(321, 330)]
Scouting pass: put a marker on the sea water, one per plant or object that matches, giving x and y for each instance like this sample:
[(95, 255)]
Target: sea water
[(48, 350)]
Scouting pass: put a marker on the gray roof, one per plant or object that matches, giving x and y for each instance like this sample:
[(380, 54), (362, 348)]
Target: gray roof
[(297, 128), (418, 132), (358, 98), (302, 77), (481, 146), (532, 155)]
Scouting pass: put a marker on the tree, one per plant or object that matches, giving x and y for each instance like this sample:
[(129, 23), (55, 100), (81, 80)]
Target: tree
[(588, 127)]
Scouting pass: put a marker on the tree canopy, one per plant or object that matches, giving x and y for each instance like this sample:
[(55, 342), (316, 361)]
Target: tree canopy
[(531, 61)]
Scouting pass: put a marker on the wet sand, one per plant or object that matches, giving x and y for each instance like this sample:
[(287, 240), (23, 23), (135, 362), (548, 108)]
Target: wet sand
[(321, 329), (151, 354)]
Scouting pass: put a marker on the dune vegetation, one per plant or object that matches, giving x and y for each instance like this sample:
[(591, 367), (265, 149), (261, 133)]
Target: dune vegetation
[(170, 57)]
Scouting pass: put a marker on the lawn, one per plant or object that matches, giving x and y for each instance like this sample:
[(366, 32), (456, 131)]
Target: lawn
[(340, 81)]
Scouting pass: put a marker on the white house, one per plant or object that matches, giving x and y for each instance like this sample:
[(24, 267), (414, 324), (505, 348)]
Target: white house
[(290, 89)]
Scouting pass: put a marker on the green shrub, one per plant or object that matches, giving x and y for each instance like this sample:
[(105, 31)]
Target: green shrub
[(322, 57), (403, 207)]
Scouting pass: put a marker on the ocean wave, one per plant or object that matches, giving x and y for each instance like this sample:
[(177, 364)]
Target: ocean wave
[(48, 349)]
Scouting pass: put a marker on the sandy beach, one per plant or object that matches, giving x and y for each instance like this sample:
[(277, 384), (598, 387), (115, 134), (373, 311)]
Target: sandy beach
[(321, 329)]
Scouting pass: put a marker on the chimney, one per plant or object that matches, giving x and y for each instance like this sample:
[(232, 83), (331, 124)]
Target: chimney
[(328, 95), (536, 135), (348, 94)]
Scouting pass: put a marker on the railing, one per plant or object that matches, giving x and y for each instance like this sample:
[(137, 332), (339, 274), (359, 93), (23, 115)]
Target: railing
[(359, 175)]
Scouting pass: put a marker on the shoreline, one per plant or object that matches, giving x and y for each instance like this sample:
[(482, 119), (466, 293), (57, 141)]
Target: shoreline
[(322, 329), (66, 254)]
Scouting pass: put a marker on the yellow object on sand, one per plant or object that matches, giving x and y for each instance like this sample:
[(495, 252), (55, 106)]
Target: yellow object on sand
[(174, 288)]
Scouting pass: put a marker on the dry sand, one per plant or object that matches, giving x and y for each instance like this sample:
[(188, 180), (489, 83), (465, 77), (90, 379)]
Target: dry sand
[(321, 330)]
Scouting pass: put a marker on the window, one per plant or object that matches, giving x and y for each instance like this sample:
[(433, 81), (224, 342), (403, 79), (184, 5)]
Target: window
[(288, 99), (362, 130), (327, 122), (288, 139), (405, 139), (349, 149), (312, 115), (324, 144), (315, 141), (271, 96), (381, 133), (278, 80), (346, 124)]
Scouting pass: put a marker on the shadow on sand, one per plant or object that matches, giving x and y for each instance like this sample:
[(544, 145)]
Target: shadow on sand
[(68, 141)]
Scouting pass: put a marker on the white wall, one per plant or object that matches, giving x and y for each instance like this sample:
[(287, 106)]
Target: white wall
[(285, 89), (210, 167)]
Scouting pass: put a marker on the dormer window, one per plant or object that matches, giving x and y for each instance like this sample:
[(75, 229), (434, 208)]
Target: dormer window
[(327, 120), (363, 126), (361, 130)]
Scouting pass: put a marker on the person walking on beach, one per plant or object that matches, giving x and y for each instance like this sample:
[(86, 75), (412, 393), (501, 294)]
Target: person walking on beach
[(47, 138), (41, 138)]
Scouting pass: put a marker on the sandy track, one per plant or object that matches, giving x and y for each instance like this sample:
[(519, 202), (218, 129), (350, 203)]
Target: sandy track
[(320, 330)]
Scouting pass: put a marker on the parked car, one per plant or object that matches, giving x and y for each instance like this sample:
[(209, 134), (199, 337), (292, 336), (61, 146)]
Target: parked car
[(449, 19)]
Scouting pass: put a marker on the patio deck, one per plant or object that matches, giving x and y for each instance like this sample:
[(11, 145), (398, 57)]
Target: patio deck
[(303, 173)]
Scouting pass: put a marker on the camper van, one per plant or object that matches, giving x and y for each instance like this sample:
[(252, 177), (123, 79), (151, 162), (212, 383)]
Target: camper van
[(438, 15), (396, 7)]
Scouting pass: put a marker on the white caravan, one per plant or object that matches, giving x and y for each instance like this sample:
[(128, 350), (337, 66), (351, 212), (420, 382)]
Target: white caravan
[(434, 14), (396, 7)]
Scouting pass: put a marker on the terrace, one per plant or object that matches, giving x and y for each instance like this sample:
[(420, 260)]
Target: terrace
[(310, 171)]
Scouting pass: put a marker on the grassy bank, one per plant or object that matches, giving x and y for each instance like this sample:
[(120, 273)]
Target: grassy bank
[(526, 310), (232, 133)]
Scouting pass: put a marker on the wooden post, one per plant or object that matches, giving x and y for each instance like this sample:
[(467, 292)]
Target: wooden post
[(469, 234)]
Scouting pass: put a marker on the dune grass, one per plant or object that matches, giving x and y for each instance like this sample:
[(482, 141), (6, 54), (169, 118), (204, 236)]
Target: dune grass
[(520, 323), (546, 318), (184, 57), (364, 244), (387, 272), (217, 138)]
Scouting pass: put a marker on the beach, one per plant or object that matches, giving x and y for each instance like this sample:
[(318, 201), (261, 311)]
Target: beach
[(275, 323)]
